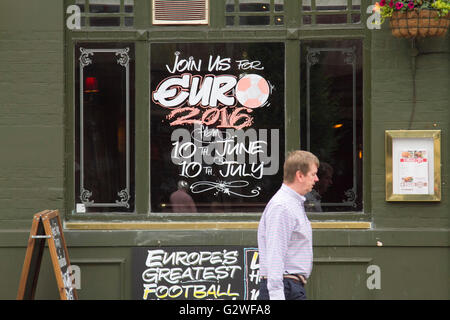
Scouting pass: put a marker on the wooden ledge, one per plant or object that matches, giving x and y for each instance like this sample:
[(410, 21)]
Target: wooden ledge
[(202, 225)]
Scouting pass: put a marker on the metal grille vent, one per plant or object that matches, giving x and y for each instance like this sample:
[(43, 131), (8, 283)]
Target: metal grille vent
[(180, 12)]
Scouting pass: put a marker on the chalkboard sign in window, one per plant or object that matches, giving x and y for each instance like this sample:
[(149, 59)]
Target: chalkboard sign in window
[(193, 273), (217, 126)]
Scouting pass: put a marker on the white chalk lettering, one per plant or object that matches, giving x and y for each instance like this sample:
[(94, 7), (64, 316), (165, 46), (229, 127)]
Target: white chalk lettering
[(181, 274)]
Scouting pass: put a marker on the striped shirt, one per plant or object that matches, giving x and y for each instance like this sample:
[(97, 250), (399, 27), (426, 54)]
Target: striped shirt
[(284, 240)]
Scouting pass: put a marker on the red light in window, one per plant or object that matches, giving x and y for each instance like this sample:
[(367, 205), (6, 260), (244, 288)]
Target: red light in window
[(90, 85)]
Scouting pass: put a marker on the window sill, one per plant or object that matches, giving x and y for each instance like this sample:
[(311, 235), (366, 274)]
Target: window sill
[(203, 225)]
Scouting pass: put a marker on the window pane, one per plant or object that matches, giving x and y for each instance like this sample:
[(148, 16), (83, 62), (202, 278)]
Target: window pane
[(129, 6), (356, 4), (356, 18), (230, 21), (229, 6), (331, 4), (254, 6), (104, 169), (217, 126), (331, 19), (331, 122), (254, 20), (129, 21), (306, 5), (278, 20), (105, 22), (104, 6), (80, 4), (279, 5)]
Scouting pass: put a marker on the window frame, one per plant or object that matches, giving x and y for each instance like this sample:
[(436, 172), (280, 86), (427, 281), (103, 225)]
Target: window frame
[(143, 33), (124, 57), (121, 15), (272, 14)]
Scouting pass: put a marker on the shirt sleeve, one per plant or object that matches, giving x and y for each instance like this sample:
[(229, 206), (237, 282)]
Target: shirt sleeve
[(279, 227)]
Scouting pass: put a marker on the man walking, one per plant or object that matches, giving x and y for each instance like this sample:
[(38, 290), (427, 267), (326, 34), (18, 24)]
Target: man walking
[(284, 232)]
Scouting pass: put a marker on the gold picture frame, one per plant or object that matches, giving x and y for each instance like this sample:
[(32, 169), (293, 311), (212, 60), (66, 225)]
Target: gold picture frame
[(413, 165)]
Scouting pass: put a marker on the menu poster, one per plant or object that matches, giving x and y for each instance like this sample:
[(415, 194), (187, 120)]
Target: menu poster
[(217, 126), (413, 172)]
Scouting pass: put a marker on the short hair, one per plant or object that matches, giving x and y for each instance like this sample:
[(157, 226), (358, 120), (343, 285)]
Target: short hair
[(298, 160), (325, 168)]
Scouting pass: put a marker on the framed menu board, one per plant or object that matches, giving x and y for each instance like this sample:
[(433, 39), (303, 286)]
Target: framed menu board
[(413, 165)]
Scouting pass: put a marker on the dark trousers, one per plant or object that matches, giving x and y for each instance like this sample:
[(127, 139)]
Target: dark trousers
[(293, 290)]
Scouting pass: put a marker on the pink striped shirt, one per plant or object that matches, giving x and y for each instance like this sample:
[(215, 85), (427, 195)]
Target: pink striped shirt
[(284, 240)]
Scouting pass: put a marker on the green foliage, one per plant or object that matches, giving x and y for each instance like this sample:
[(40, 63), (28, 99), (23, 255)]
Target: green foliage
[(388, 7)]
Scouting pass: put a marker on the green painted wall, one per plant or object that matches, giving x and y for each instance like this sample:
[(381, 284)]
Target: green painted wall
[(32, 109), (392, 108), (35, 150)]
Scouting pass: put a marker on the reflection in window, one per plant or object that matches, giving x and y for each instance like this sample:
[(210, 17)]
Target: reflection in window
[(109, 6), (331, 122), (252, 12), (217, 126), (254, 6), (104, 168), (331, 19), (254, 21)]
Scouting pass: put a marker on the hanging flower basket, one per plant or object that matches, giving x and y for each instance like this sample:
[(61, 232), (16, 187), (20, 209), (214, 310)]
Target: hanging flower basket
[(416, 18), (419, 24)]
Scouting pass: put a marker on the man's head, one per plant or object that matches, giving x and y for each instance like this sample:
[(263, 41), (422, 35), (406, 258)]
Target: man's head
[(325, 174), (300, 171)]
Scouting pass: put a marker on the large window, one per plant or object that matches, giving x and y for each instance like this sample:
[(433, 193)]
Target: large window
[(331, 126), (104, 98), (200, 121), (217, 126)]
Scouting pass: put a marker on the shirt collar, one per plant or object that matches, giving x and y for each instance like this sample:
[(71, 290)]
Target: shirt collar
[(293, 193)]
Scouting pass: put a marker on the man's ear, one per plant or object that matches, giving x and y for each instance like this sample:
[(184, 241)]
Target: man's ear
[(299, 175)]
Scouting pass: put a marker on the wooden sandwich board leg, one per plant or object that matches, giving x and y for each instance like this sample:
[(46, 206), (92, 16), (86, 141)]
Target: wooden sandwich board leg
[(59, 255), (33, 258)]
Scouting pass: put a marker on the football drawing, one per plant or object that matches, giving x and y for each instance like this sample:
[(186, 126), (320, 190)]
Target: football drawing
[(252, 91)]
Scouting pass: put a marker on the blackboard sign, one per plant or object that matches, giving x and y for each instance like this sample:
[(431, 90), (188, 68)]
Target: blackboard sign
[(251, 274), (195, 273), (46, 225)]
